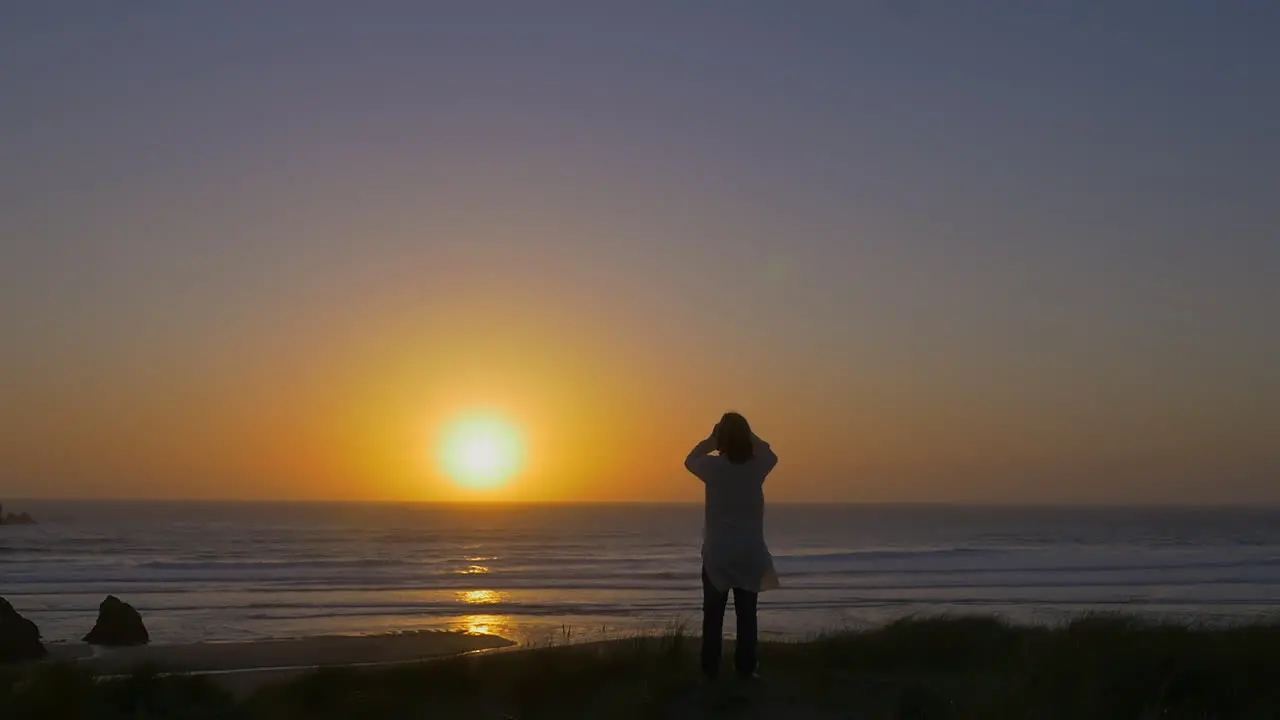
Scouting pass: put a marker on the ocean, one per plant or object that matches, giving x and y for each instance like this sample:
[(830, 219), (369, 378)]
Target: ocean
[(543, 573)]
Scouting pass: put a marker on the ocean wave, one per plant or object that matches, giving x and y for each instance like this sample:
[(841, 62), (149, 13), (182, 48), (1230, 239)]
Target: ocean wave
[(833, 564), (890, 554), (568, 609), (636, 586), (304, 611), (206, 572), (1077, 567), (274, 565)]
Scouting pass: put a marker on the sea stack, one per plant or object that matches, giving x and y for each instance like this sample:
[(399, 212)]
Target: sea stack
[(19, 519), (19, 637), (118, 625)]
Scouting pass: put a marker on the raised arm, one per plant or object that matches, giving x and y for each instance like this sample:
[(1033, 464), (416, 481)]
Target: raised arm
[(761, 450), (700, 451)]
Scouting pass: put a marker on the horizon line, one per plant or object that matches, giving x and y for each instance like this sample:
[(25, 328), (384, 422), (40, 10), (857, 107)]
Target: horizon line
[(480, 503)]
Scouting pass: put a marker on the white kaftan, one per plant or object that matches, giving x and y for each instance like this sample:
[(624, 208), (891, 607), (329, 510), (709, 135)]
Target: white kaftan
[(734, 553)]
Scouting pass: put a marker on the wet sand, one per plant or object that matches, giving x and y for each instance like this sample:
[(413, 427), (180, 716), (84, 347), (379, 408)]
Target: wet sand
[(242, 667)]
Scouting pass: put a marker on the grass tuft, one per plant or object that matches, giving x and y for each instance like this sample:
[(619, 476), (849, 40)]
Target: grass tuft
[(935, 668)]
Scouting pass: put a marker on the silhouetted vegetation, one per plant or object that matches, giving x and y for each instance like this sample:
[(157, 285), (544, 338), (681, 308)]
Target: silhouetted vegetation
[(953, 668), (63, 692)]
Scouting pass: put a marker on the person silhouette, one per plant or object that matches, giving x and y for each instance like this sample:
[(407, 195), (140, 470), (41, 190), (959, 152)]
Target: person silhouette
[(734, 554)]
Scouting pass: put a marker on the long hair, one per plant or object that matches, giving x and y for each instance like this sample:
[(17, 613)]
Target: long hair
[(733, 438)]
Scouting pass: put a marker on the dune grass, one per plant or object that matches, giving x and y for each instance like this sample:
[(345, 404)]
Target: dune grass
[(971, 668)]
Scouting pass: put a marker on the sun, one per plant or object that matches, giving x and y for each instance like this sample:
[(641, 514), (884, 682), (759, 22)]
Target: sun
[(481, 451)]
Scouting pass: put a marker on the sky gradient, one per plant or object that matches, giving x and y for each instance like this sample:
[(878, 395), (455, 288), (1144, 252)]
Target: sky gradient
[(935, 251)]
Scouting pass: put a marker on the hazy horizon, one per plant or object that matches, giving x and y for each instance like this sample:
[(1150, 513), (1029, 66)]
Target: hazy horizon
[(13, 504), (934, 252), (16, 504)]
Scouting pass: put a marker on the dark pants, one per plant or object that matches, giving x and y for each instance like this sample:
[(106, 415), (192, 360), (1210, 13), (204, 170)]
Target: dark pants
[(713, 605)]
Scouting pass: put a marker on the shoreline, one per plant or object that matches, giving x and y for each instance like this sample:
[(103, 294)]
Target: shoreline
[(242, 683), (208, 658), (958, 666), (242, 668)]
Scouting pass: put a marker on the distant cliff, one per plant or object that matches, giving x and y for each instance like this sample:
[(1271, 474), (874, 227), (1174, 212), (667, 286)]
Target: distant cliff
[(19, 519)]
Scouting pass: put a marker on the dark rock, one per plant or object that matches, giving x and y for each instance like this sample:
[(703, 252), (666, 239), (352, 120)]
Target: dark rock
[(19, 637), (118, 624), (19, 519)]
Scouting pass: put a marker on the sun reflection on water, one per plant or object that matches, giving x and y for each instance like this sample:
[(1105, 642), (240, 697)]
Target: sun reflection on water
[(484, 624), (481, 597)]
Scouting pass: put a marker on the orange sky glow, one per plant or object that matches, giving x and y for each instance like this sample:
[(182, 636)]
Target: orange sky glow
[(933, 255)]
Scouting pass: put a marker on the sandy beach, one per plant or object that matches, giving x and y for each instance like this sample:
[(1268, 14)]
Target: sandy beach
[(958, 667), (242, 667)]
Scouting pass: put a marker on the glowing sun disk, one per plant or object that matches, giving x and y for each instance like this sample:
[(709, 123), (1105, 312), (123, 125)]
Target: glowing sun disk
[(482, 452)]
